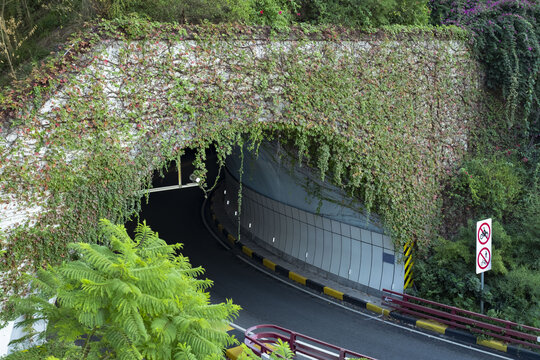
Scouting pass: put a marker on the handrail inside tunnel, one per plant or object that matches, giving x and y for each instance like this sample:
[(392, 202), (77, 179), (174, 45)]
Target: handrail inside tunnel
[(262, 339), (454, 317)]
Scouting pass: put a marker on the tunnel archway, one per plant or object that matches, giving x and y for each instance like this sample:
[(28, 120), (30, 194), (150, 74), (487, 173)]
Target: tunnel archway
[(384, 111)]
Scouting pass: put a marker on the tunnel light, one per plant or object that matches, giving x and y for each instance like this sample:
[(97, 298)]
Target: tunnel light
[(249, 226), (273, 239), (194, 178), (224, 192), (235, 213), (306, 254), (227, 202)]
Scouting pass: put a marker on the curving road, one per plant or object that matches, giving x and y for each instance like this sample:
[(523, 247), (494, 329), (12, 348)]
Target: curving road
[(176, 216)]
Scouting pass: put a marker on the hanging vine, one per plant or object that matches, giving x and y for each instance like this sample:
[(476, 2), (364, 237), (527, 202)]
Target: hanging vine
[(84, 136)]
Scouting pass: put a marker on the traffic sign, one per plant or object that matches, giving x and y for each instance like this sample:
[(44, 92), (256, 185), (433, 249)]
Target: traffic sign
[(483, 246), (484, 258), (484, 232)]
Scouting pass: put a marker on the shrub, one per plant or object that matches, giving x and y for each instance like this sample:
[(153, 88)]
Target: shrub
[(485, 187), (361, 13), (132, 298)]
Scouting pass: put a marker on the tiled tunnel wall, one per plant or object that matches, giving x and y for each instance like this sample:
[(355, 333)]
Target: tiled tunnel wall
[(356, 257)]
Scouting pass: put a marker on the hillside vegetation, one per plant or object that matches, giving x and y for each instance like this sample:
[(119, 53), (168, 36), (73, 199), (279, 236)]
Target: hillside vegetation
[(499, 176)]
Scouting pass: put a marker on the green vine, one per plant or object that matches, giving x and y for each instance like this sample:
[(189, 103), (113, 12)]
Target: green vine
[(379, 113)]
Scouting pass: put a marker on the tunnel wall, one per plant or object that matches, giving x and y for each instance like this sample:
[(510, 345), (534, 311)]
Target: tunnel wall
[(356, 257), (272, 172)]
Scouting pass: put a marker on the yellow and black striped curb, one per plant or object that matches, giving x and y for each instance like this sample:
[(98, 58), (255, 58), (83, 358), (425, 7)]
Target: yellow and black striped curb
[(234, 352), (420, 323), (466, 336), (312, 284)]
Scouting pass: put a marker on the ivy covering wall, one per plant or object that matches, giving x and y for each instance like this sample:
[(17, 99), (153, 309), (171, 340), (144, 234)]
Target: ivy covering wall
[(382, 114)]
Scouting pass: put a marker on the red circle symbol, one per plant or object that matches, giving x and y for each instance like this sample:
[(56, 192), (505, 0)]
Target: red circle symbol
[(484, 233), (484, 257)]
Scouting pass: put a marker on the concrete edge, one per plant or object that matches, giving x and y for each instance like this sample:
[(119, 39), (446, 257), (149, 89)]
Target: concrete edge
[(425, 324)]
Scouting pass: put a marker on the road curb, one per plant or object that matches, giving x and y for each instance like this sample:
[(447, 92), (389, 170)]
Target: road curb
[(424, 324)]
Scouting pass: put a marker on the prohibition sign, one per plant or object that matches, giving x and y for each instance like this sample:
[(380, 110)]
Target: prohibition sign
[(484, 233), (484, 258)]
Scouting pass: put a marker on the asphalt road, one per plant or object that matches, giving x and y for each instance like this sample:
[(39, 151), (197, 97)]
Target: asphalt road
[(176, 216)]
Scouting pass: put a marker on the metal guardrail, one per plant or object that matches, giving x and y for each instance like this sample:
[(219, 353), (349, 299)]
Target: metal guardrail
[(261, 339), (504, 330)]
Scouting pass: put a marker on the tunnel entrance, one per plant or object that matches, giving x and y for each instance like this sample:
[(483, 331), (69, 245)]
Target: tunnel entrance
[(318, 230)]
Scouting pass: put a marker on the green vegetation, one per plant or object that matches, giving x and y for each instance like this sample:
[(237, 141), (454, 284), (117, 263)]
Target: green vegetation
[(378, 134), (389, 154), (125, 299), (31, 29), (281, 351), (500, 176), (506, 37)]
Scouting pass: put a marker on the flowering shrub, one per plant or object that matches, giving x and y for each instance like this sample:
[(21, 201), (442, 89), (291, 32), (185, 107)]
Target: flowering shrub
[(506, 37)]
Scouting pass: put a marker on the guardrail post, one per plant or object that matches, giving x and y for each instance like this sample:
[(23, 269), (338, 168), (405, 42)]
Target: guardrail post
[(292, 342)]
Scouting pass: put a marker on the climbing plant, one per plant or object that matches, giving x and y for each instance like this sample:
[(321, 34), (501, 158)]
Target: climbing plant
[(506, 37), (379, 113)]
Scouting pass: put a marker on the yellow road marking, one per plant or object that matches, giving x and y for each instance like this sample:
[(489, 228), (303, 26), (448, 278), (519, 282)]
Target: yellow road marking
[(247, 251), (298, 278), (233, 353), (374, 308), (333, 293), (269, 264), (431, 325), (494, 344)]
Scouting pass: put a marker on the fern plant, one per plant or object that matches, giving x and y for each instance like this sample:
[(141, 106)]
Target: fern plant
[(128, 299)]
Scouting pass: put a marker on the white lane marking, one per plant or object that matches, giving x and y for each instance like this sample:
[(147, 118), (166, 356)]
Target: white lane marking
[(378, 318), (237, 327)]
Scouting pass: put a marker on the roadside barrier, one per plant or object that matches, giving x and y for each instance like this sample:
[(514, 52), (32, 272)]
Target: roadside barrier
[(453, 317), (262, 339)]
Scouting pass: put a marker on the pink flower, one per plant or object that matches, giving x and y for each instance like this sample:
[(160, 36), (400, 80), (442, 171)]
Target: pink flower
[(297, 14), (279, 12), (261, 12)]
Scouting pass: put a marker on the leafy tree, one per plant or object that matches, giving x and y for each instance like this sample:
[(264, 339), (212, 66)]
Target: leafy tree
[(130, 299)]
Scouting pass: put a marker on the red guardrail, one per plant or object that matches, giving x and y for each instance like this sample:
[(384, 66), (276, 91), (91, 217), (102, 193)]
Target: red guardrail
[(505, 330), (260, 339)]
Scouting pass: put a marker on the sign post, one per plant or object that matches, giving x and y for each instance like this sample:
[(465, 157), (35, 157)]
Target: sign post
[(483, 252)]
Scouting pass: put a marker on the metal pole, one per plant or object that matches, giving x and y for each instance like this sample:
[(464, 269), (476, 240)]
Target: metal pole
[(179, 166), (482, 293)]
